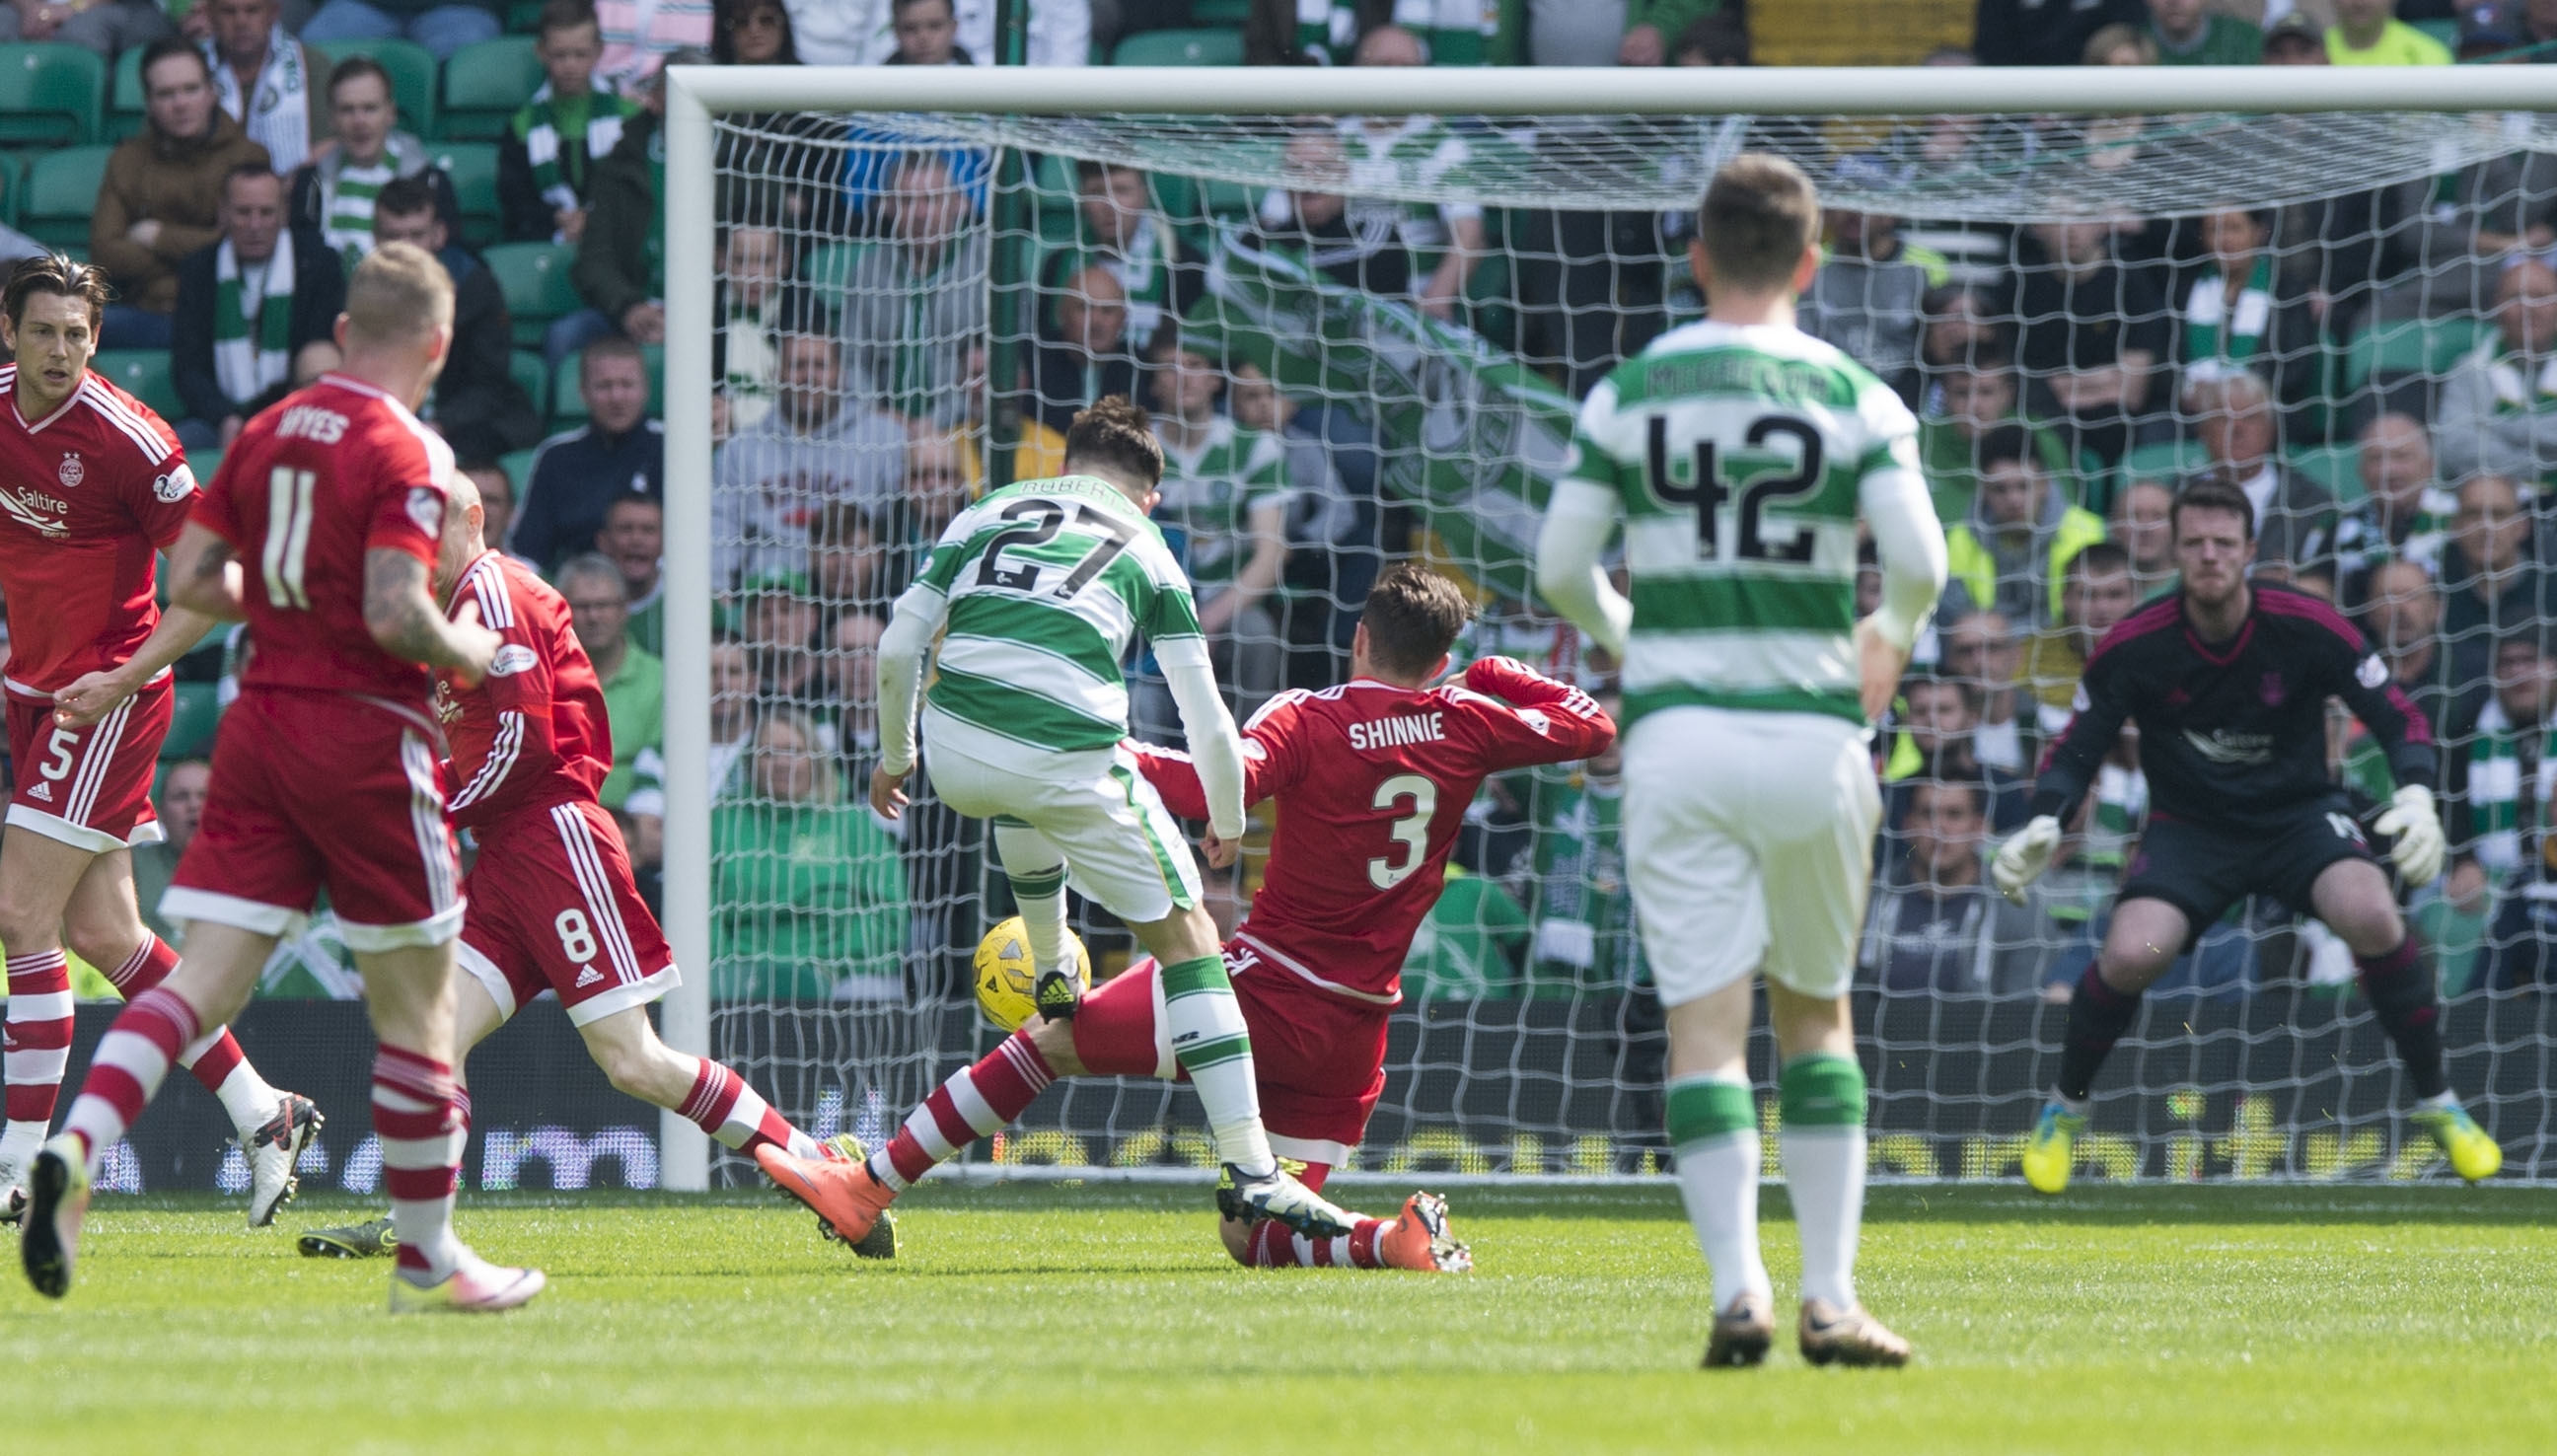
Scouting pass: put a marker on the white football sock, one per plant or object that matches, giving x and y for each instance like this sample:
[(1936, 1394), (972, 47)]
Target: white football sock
[(1825, 1175), (1718, 1178)]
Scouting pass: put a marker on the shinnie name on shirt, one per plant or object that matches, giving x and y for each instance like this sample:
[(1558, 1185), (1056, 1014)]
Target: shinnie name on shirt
[(1394, 733)]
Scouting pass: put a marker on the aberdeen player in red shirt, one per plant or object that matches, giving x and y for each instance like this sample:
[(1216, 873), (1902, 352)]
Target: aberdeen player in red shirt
[(91, 487), (320, 532), (1372, 779), (551, 900)]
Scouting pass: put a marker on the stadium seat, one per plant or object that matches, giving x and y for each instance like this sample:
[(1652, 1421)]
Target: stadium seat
[(2170, 462), (2410, 347), (13, 189), (143, 374), (486, 85), (51, 93), (534, 278), (1220, 12), (197, 712), (472, 166), (412, 69), (124, 96), (1180, 47), (2338, 467), (61, 192), (525, 366), (570, 406), (519, 466)]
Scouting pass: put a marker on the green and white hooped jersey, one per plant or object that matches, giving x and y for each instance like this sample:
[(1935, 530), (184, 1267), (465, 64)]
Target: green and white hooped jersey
[(1048, 584), (1737, 458)]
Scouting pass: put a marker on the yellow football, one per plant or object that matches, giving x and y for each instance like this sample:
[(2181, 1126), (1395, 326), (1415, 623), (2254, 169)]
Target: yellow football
[(1004, 980)]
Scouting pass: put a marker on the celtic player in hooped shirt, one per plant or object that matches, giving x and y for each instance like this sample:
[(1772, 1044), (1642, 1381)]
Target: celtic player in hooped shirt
[(1739, 455), (1037, 592)]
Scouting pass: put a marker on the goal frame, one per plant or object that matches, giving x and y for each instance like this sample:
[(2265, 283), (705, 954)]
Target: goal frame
[(696, 96)]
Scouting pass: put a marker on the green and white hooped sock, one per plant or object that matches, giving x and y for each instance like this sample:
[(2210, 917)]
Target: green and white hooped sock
[(1211, 1044), (1037, 874)]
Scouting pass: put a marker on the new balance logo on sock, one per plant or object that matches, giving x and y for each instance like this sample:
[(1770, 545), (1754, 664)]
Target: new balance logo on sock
[(44, 791), (588, 976)]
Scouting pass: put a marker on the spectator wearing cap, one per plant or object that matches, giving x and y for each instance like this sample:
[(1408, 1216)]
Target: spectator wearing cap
[(1866, 297), (2489, 28), (2295, 40), (2295, 516), (2368, 33), (265, 79), (2037, 33), (256, 313), (2498, 411), (2189, 33), (161, 197), (2012, 551), (578, 473)]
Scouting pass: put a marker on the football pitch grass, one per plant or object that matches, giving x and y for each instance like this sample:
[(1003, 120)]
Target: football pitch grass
[(2186, 1320)]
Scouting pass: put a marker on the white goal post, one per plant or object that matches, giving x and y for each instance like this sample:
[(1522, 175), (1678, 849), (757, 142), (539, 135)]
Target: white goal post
[(698, 95)]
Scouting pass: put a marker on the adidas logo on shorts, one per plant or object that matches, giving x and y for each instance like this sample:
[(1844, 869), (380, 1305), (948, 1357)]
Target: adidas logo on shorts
[(588, 976), (42, 791)]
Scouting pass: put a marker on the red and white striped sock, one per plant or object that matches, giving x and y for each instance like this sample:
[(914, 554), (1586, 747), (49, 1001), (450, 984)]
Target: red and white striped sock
[(419, 1125), (39, 1045), (215, 1058), (975, 1103), (721, 1105), (125, 1073), (1275, 1246)]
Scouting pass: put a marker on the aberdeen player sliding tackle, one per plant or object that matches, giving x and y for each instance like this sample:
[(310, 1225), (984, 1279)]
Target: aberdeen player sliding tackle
[(1372, 779), (551, 901), (2230, 682), (325, 775), (91, 487)]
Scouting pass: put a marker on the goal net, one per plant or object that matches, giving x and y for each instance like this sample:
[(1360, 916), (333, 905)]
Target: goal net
[(1365, 338)]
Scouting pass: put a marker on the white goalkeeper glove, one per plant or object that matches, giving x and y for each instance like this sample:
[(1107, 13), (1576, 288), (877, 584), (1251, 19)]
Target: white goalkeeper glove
[(2022, 859), (2415, 828)]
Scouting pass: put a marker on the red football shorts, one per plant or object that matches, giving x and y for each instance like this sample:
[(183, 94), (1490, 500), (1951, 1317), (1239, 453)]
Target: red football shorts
[(1317, 1058), (553, 906), (89, 786), (315, 790)]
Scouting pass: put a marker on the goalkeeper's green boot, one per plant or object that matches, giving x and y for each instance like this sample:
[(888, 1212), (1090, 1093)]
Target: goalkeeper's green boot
[(2052, 1150), (2474, 1155)]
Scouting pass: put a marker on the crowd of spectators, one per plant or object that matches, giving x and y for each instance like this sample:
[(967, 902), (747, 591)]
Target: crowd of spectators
[(2070, 377)]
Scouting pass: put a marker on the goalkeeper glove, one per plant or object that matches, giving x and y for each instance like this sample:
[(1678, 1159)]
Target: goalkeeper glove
[(2415, 829), (2022, 859)]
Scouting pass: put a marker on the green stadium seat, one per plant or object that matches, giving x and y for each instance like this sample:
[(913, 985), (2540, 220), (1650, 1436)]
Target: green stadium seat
[(143, 374), (486, 85), (524, 18), (51, 93), (526, 369), (124, 96), (1180, 47), (1220, 12), (2410, 347), (2170, 462), (534, 278), (472, 166), (519, 466), (2338, 467), (197, 712), (61, 192), (412, 70), (567, 405), (13, 189), (204, 463)]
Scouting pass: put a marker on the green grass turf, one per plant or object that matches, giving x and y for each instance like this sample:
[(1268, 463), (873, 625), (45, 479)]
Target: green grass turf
[(2182, 1321)]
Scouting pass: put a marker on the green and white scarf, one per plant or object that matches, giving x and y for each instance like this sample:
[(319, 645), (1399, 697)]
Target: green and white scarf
[(2215, 332), (278, 115), (2520, 388), (564, 140), (347, 219), (2506, 838), (252, 339)]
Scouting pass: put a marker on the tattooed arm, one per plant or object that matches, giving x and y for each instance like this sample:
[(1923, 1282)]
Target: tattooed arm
[(401, 613)]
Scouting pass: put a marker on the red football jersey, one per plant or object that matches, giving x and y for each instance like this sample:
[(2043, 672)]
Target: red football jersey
[(89, 495), (310, 485), (1372, 782), (533, 734)]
